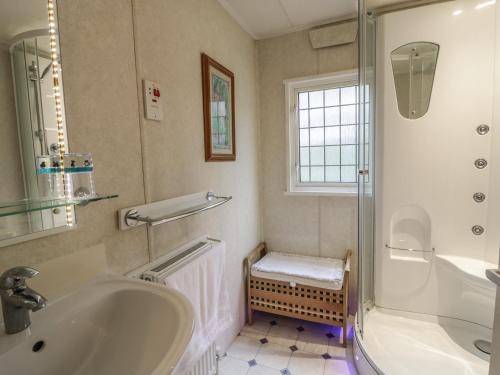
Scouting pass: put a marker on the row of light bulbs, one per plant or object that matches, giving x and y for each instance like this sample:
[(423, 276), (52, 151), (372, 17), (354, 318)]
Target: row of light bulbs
[(57, 95)]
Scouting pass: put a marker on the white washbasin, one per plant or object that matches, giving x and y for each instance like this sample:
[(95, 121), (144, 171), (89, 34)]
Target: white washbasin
[(114, 325)]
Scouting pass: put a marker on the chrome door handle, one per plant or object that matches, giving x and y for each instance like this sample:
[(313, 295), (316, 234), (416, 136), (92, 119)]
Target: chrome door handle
[(494, 276)]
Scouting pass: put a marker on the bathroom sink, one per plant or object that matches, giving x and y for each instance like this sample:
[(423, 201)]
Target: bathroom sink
[(114, 325)]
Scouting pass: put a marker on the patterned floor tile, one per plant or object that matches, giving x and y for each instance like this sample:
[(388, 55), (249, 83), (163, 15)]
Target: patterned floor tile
[(274, 356), (244, 348), (232, 366)]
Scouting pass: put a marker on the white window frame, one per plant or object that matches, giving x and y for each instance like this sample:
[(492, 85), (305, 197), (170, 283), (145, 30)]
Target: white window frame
[(292, 87)]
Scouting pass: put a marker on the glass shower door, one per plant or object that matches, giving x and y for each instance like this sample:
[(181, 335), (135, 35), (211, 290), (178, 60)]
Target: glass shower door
[(366, 177)]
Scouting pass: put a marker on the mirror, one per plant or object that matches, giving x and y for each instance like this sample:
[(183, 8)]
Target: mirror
[(413, 67), (32, 121)]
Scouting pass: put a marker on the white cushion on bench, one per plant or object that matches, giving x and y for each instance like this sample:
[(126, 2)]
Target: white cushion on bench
[(325, 273)]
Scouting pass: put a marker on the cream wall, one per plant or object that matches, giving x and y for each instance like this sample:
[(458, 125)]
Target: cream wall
[(324, 226), (103, 67), (103, 118), (108, 46), (170, 37)]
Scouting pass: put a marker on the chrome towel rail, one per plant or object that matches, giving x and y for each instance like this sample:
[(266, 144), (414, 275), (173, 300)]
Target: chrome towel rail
[(408, 249), (170, 210)]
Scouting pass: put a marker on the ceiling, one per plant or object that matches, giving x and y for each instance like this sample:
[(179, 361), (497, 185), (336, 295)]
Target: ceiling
[(17, 16), (267, 18)]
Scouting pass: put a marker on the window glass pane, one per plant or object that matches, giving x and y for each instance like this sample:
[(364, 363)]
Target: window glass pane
[(304, 174), (317, 156), (367, 112), (332, 174), (332, 135), (317, 137), (332, 97), (348, 95), (332, 116), (328, 136), (332, 155), (348, 174), (348, 114), (316, 117), (303, 100), (304, 137), (304, 118), (348, 155), (304, 156), (367, 132), (317, 174), (316, 99), (348, 134)]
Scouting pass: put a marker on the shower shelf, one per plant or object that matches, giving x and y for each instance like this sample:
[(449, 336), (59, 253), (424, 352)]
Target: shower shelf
[(32, 205), (411, 250), (170, 210)]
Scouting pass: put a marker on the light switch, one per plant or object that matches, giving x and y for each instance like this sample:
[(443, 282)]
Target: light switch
[(152, 101)]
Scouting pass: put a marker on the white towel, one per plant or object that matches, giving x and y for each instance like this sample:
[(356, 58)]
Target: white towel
[(202, 282), (313, 268)]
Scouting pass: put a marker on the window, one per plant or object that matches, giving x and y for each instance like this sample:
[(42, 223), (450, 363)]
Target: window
[(323, 134)]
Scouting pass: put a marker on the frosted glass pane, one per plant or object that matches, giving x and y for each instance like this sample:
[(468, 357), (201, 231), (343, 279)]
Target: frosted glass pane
[(348, 114), (348, 95), (348, 154), (332, 135), (315, 99), (304, 156), (317, 137), (348, 174), (332, 116), (304, 137), (316, 117), (304, 118), (332, 174), (348, 134), (317, 156), (332, 155), (304, 174), (332, 97), (317, 174), (303, 100)]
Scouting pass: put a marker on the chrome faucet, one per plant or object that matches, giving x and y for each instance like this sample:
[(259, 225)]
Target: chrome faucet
[(18, 299)]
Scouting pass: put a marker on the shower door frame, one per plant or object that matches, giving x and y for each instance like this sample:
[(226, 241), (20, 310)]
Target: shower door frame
[(366, 164)]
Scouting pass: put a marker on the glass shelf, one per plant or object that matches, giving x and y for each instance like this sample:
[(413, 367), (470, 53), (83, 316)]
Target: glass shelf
[(31, 205)]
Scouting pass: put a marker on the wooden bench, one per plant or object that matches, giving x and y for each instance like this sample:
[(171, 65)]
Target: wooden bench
[(299, 301)]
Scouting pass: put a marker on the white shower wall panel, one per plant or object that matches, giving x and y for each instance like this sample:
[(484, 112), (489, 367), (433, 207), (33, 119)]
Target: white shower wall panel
[(428, 162)]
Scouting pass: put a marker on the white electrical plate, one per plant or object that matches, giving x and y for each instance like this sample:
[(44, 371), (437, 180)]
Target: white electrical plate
[(152, 100)]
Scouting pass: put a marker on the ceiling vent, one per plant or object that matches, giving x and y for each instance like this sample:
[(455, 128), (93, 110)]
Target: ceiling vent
[(334, 35)]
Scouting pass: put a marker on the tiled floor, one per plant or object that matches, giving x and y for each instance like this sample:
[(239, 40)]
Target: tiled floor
[(276, 345)]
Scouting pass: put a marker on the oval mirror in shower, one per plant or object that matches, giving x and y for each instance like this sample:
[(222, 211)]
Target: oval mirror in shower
[(413, 67)]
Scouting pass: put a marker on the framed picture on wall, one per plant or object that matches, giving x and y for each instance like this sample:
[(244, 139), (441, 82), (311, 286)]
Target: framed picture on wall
[(218, 111)]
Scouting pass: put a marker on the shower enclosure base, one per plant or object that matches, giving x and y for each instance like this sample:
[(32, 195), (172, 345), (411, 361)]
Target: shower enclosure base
[(403, 343)]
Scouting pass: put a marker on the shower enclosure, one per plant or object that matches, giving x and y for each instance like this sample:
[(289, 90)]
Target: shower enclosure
[(428, 198), (31, 67)]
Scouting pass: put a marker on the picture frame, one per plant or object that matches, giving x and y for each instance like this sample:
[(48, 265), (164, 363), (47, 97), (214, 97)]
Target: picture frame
[(218, 111)]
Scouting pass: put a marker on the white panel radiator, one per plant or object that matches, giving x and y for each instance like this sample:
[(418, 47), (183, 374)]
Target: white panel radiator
[(207, 365), (158, 270)]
